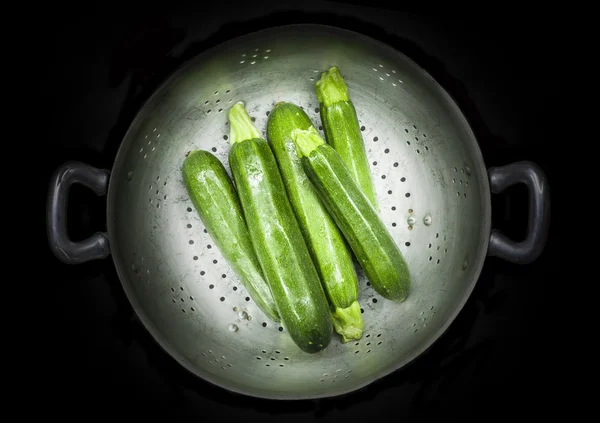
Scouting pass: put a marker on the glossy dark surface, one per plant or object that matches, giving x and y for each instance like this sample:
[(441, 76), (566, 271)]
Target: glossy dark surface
[(70, 252), (535, 180)]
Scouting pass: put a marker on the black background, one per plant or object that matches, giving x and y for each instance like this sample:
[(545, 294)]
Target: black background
[(95, 72)]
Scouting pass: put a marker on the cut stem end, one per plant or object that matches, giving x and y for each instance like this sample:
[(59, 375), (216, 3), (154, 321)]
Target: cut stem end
[(241, 127), (331, 87), (306, 141), (348, 322)]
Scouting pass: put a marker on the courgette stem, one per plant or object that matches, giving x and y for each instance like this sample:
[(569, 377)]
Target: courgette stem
[(306, 140), (241, 127), (331, 87), (348, 322)]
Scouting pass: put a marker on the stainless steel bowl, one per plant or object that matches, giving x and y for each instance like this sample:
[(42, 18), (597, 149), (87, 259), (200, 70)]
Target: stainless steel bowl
[(431, 181)]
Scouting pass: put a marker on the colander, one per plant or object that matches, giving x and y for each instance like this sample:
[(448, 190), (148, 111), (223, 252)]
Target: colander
[(431, 181)]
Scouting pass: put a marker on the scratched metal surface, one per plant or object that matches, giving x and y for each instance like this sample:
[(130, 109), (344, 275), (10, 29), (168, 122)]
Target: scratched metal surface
[(431, 184)]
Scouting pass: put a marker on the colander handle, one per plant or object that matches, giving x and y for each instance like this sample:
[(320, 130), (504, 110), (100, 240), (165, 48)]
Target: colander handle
[(533, 177), (66, 250)]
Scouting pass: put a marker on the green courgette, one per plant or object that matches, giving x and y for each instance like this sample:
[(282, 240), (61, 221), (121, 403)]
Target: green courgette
[(325, 241), (360, 223), (277, 237), (342, 130), (216, 201)]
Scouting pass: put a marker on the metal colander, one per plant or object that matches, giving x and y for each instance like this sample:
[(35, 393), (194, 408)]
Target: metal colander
[(431, 182)]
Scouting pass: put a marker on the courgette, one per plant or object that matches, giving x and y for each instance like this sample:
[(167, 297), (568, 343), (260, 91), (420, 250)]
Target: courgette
[(277, 237), (325, 242), (359, 222), (216, 201), (342, 130)]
